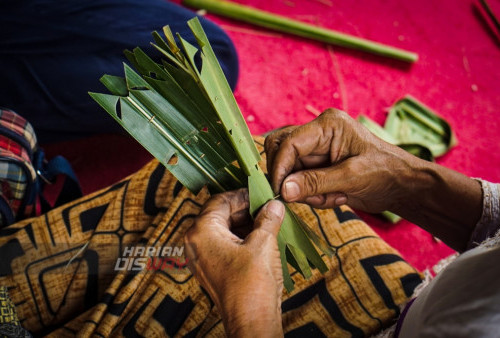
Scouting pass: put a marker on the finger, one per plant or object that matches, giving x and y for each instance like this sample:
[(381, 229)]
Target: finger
[(218, 214), (270, 217), (301, 185), (309, 139), (326, 201), (272, 144), (311, 161), (223, 208)]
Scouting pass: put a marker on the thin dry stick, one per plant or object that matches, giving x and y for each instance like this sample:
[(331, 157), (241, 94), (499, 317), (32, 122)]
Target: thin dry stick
[(82, 249), (313, 110), (465, 61), (325, 2)]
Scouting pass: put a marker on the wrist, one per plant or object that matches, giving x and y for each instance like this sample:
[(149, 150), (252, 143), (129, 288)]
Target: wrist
[(416, 182), (442, 201), (411, 178), (252, 313)]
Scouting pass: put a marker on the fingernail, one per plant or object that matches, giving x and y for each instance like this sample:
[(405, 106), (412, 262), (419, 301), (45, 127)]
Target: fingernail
[(341, 200), (292, 191), (276, 208)]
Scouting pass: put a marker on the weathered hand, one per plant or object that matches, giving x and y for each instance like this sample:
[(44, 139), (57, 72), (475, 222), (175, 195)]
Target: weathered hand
[(242, 276), (334, 160)]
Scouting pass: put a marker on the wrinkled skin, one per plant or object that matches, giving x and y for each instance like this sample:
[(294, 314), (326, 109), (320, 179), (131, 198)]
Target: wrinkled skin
[(243, 276), (334, 160)]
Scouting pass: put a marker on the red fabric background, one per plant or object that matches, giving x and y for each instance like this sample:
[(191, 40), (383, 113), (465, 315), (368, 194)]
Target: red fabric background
[(457, 75)]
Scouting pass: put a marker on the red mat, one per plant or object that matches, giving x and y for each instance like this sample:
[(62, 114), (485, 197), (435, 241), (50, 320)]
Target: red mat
[(457, 75)]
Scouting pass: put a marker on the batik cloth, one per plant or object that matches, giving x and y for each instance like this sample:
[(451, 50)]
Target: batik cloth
[(82, 268)]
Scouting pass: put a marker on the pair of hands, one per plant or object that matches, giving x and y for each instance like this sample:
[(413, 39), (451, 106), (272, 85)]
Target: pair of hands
[(332, 160), (328, 162)]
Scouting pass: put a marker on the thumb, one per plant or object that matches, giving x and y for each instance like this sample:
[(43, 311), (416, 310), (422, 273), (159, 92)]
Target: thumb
[(270, 217), (299, 186)]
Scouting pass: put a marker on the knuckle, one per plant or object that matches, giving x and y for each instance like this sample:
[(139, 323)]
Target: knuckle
[(330, 112), (352, 169), (274, 139), (213, 202), (198, 230), (202, 221), (287, 141), (221, 198), (312, 181), (270, 142), (333, 115)]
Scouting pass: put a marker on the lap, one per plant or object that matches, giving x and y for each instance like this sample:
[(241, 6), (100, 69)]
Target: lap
[(61, 268)]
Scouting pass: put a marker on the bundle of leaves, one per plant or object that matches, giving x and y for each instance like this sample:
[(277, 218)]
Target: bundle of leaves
[(183, 112)]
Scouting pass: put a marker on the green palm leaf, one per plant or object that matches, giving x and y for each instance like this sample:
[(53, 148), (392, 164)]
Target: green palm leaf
[(411, 122), (189, 120)]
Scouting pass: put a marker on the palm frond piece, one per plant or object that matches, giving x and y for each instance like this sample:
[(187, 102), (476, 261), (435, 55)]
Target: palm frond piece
[(184, 113), (416, 128)]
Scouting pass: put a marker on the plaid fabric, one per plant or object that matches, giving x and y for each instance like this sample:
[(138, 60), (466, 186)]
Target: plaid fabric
[(19, 125), (12, 174), (17, 146), (9, 146)]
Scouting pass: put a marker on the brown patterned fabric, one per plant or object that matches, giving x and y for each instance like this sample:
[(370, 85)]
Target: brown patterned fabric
[(60, 269)]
